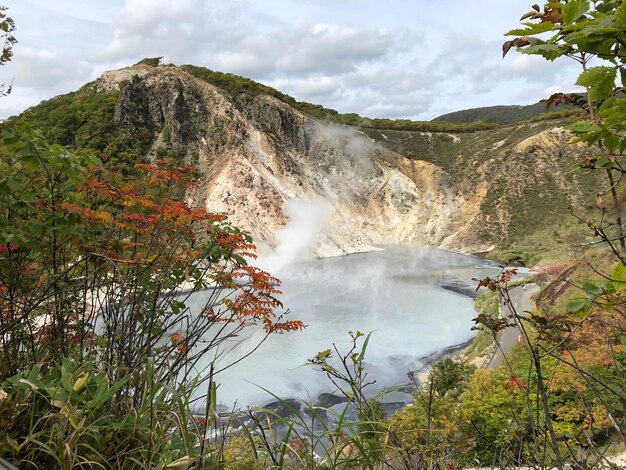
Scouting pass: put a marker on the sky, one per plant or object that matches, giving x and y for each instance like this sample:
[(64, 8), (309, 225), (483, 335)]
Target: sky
[(413, 59)]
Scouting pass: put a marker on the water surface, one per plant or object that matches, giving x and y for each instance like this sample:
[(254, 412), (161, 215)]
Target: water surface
[(396, 294)]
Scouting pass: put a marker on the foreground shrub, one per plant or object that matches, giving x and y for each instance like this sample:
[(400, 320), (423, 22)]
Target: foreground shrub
[(97, 340), (61, 418)]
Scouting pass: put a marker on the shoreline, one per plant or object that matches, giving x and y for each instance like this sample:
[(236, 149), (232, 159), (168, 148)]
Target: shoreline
[(420, 376), (456, 352)]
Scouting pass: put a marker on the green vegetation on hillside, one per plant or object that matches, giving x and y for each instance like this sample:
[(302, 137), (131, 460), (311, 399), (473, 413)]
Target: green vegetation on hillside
[(472, 121), (523, 198), (79, 119), (504, 115), (85, 121)]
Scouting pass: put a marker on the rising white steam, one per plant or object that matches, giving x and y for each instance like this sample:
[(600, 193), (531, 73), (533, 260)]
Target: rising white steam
[(296, 241)]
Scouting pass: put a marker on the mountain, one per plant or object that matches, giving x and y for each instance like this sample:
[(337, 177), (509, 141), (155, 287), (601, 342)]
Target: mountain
[(268, 160), (502, 115), (496, 114)]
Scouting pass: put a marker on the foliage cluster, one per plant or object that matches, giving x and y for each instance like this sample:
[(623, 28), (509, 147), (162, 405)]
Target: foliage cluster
[(471, 121), (60, 416), (559, 397), (79, 119), (7, 28), (96, 335), (589, 34), (85, 121)]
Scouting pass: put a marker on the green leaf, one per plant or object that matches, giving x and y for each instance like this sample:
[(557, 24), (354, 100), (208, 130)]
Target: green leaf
[(239, 259), (600, 81), (100, 396), (611, 142), (31, 162), (364, 347), (177, 306), (592, 288), (620, 15), (576, 305), (583, 127), (603, 162), (10, 140), (65, 381), (619, 277), (532, 29), (548, 51), (13, 183), (573, 10)]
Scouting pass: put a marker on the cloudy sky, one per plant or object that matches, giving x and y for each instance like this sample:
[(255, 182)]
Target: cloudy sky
[(401, 58)]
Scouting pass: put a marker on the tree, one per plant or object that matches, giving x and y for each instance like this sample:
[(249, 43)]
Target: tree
[(590, 33), (93, 263), (494, 417), (7, 27), (448, 376), (427, 433)]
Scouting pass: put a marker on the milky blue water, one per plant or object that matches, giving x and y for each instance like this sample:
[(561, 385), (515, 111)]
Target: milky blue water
[(396, 294)]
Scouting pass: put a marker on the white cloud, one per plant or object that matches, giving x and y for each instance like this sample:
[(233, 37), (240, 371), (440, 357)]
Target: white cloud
[(220, 36), (42, 68), (405, 59), (317, 87), (552, 90)]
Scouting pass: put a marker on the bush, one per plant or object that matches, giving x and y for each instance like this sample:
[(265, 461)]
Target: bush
[(97, 266)]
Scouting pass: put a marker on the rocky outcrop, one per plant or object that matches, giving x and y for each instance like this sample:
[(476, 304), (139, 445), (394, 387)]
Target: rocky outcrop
[(256, 153), (267, 165)]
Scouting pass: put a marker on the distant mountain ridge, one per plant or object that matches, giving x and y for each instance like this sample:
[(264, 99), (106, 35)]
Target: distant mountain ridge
[(501, 114)]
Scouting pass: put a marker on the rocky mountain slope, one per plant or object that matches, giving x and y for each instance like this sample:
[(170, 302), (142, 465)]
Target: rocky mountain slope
[(344, 189), (514, 180)]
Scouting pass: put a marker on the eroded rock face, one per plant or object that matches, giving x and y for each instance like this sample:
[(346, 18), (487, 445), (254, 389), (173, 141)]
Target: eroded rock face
[(533, 180), (371, 200), (266, 164), (256, 153)]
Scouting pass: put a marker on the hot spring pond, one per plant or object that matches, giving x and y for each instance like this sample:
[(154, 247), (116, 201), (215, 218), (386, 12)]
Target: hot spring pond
[(407, 297)]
